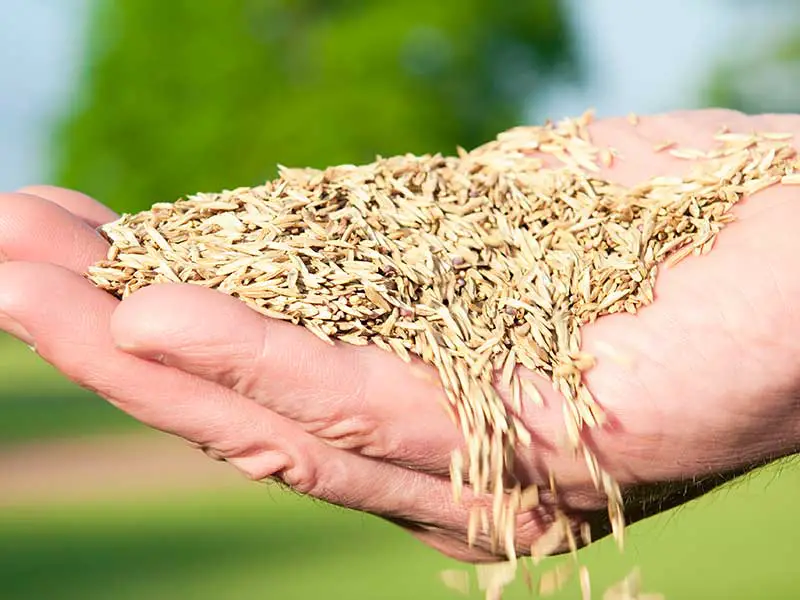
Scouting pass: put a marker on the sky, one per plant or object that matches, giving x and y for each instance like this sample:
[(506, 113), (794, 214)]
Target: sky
[(648, 56), (642, 56), (40, 57)]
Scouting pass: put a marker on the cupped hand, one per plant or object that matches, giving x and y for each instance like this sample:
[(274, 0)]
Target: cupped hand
[(700, 386)]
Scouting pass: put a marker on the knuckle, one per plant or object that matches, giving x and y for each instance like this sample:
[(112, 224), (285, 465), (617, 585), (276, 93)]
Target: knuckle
[(246, 381), (357, 433), (16, 200), (260, 465), (24, 210), (530, 524), (304, 478), (298, 471)]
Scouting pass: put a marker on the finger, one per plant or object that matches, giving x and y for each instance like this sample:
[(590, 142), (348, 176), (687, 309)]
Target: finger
[(355, 398), (73, 336), (36, 230), (82, 206)]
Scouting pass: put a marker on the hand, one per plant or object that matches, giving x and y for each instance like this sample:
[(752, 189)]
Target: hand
[(700, 386)]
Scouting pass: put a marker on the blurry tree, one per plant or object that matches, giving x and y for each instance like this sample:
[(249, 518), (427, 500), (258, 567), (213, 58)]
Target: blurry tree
[(185, 96), (763, 75)]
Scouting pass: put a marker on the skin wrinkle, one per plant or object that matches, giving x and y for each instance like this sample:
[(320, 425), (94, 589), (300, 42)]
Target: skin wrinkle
[(337, 494), (245, 380), (294, 465), (268, 354), (751, 310), (727, 326), (398, 490), (778, 288), (354, 433), (753, 356), (659, 438), (360, 377), (330, 419), (261, 465), (397, 496), (346, 432), (369, 384)]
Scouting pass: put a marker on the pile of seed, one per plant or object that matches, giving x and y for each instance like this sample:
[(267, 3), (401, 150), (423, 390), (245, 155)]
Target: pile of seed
[(476, 263)]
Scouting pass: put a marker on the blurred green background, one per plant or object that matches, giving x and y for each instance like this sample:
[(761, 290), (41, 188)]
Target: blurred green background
[(139, 101)]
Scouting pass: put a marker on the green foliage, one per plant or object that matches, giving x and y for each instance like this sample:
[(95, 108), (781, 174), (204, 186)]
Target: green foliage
[(764, 81), (179, 97)]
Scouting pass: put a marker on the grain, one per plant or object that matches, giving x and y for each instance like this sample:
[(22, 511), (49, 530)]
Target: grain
[(667, 145), (493, 577), (555, 579), (586, 583), (475, 264), (456, 580), (630, 588), (793, 179), (550, 541)]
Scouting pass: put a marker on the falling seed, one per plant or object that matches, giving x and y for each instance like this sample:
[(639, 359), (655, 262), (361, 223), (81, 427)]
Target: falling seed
[(554, 580), (531, 391), (456, 580), (586, 585), (550, 541), (493, 577), (529, 498)]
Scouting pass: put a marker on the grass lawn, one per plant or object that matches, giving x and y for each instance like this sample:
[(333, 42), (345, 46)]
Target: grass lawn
[(37, 403), (260, 543)]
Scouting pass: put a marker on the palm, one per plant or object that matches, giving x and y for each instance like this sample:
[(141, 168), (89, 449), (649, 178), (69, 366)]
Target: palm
[(712, 356), (688, 383)]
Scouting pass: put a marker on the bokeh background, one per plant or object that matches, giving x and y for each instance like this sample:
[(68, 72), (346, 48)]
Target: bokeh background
[(138, 101)]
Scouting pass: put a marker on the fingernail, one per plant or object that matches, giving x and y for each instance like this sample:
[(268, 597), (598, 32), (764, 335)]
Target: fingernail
[(18, 331)]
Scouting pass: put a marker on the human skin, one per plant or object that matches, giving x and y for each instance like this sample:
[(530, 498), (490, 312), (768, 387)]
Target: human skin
[(700, 386)]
